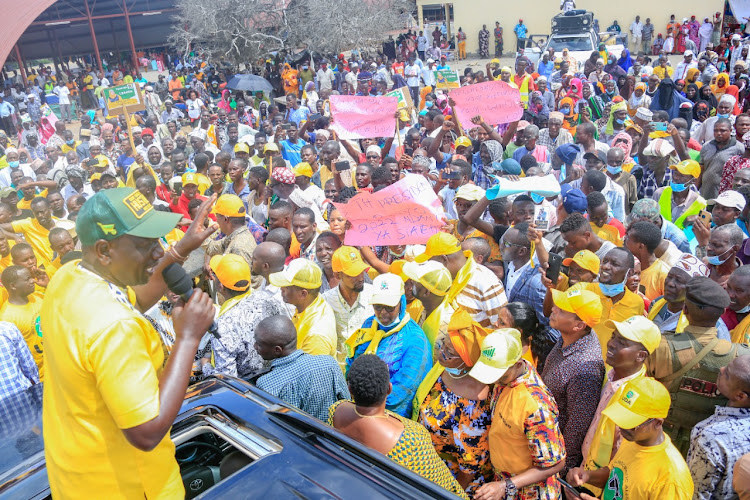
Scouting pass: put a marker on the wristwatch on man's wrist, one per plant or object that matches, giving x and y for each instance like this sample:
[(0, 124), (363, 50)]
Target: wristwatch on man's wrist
[(510, 489)]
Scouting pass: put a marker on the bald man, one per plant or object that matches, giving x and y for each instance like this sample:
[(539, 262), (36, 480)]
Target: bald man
[(310, 383), (268, 257)]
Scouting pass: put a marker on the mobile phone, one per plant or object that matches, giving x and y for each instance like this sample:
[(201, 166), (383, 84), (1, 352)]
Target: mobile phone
[(451, 174), (314, 117), (659, 126), (705, 217), (178, 188), (286, 126), (553, 268), (342, 165)]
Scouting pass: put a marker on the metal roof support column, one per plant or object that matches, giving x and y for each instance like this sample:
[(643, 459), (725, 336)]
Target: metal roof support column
[(21, 64), (130, 35), (93, 36)]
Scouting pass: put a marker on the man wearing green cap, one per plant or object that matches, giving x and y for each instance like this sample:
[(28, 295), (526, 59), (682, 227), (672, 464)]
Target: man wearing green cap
[(109, 399)]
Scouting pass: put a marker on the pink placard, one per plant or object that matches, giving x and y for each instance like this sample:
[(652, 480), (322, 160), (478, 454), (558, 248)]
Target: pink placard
[(496, 101), (358, 117), (405, 213)]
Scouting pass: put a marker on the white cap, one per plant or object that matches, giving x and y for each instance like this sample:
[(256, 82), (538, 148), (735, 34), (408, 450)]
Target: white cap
[(387, 289), (430, 61), (731, 199), (644, 114), (688, 53)]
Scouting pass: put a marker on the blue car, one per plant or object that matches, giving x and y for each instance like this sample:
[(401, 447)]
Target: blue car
[(232, 441)]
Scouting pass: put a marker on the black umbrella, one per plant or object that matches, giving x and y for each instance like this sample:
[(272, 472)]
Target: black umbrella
[(249, 83)]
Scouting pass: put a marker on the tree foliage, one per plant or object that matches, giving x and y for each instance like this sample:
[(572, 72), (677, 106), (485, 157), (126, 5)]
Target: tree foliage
[(244, 30)]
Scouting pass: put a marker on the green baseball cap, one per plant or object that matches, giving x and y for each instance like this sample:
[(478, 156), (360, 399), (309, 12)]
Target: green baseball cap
[(111, 213)]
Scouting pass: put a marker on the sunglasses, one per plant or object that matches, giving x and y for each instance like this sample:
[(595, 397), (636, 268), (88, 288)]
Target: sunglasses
[(381, 307)]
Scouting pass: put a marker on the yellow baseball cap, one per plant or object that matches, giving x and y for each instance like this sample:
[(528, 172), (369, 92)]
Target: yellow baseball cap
[(688, 167), (403, 115), (638, 329), (495, 61), (501, 349), (439, 244), (586, 259), (189, 178), (642, 398), (300, 272), (303, 169), (462, 141), (96, 176), (232, 271), (387, 290), (270, 146), (101, 162), (229, 205), (241, 147), (581, 302), (432, 275), (349, 261)]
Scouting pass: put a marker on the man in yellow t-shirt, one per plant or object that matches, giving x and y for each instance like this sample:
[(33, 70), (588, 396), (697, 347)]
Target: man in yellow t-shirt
[(647, 464), (642, 239), (61, 243), (22, 309), (109, 398), (36, 230), (300, 286)]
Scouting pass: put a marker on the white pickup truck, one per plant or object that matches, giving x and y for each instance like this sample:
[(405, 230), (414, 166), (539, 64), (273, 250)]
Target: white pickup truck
[(579, 42)]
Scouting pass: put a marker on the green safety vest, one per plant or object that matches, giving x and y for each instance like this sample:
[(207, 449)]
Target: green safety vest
[(665, 208)]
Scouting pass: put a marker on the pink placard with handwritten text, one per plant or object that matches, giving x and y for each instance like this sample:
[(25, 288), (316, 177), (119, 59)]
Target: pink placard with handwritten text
[(497, 102), (358, 117)]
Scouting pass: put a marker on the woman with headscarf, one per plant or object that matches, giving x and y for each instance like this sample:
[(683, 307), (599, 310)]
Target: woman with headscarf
[(705, 94), (590, 64), (705, 133), (594, 102), (625, 86), (562, 92), (701, 113), (692, 92), (657, 45), (638, 99), (538, 109), (616, 123), (570, 117), (613, 69), (490, 152), (46, 130), (310, 97), (225, 102), (575, 91), (598, 75), (624, 142), (610, 91), (606, 112), (290, 80), (719, 84), (667, 99), (692, 77), (682, 36), (704, 34), (693, 28), (734, 91), (569, 59), (625, 61), (454, 408)]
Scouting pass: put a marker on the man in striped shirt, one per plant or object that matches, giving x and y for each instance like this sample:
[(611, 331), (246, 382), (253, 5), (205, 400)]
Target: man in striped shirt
[(476, 289)]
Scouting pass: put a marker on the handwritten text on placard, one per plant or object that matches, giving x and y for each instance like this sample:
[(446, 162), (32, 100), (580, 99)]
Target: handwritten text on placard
[(497, 102), (358, 117)]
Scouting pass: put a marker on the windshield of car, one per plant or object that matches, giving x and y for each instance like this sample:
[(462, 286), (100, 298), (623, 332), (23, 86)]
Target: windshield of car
[(574, 43), (21, 429)]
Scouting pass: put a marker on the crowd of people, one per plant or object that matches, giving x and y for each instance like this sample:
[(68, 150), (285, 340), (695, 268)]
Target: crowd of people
[(593, 341)]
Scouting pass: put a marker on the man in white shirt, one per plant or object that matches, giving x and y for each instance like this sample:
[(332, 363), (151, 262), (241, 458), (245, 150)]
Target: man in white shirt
[(680, 73), (63, 95), (636, 29), (411, 72), (428, 73), (325, 77), (422, 44)]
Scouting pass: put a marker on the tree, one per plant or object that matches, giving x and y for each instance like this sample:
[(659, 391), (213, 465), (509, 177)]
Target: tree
[(244, 30)]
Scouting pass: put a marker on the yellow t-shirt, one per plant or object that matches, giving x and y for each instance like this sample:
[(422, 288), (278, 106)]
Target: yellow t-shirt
[(25, 318), (65, 148), (652, 279), (102, 377), (37, 236), (203, 183), (25, 204), (628, 306), (607, 232), (316, 328), (648, 473)]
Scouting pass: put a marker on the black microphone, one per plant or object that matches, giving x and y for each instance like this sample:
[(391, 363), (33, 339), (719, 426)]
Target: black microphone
[(180, 284)]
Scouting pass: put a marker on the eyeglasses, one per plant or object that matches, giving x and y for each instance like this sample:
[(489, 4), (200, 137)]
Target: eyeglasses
[(508, 244), (381, 307), (369, 157)]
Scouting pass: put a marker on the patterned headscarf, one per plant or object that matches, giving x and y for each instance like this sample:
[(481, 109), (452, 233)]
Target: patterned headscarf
[(495, 149)]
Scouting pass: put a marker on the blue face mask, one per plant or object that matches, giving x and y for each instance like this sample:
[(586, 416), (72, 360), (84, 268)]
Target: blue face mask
[(70, 142), (456, 372), (13, 164), (612, 290), (619, 122), (565, 110), (744, 310), (715, 260), (677, 187), (428, 104), (393, 323), (722, 116), (614, 170), (537, 198)]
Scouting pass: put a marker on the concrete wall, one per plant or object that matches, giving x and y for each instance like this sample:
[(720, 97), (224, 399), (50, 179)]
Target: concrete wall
[(537, 14)]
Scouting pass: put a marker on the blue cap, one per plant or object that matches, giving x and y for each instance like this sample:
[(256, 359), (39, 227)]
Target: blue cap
[(573, 199), (567, 153), (509, 166)]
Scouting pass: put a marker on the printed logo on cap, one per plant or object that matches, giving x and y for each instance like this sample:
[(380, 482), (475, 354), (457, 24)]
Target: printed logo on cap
[(137, 204), (629, 398)]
